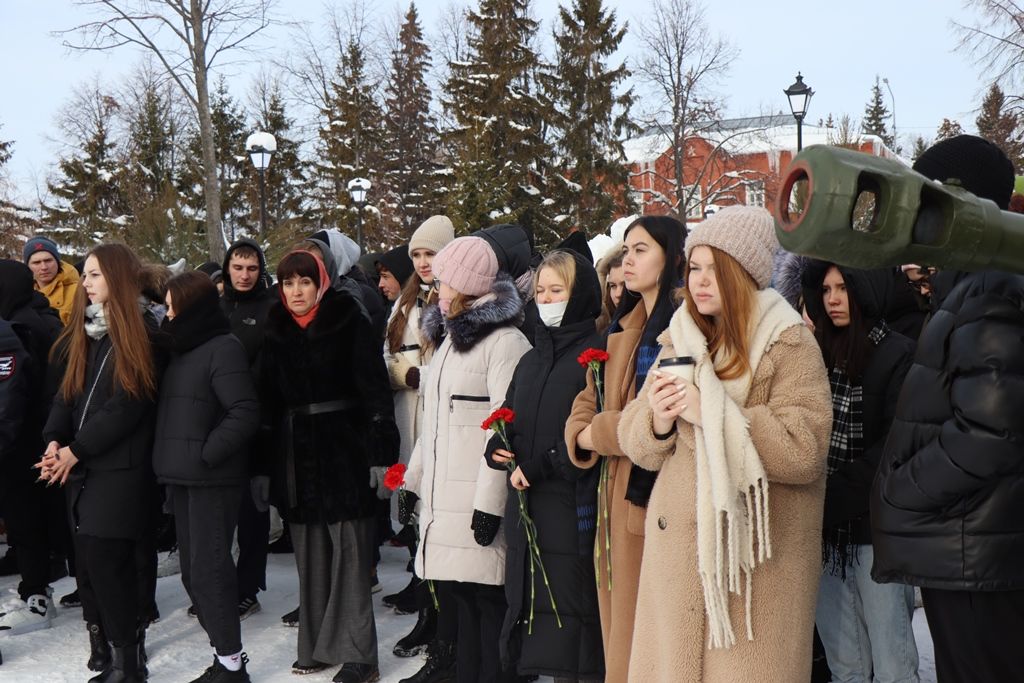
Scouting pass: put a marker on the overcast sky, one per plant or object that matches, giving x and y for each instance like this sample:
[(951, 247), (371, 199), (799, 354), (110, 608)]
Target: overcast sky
[(839, 47)]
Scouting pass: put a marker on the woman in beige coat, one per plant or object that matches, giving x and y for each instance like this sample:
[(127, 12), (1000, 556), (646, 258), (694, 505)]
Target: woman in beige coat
[(651, 265), (462, 499), (733, 544)]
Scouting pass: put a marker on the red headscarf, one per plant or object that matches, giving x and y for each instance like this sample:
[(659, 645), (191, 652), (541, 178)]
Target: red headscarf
[(306, 318)]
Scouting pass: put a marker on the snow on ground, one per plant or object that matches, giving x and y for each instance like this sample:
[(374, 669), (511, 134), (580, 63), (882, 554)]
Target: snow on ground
[(179, 651)]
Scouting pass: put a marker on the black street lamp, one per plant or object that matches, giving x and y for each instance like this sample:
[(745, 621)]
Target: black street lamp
[(799, 95), (261, 147), (357, 188)]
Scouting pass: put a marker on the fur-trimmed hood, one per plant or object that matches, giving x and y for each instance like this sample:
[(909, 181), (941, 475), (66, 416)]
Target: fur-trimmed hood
[(501, 307)]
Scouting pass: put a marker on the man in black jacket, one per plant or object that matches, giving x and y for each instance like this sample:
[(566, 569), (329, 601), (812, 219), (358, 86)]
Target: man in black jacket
[(35, 516), (246, 301), (947, 507)]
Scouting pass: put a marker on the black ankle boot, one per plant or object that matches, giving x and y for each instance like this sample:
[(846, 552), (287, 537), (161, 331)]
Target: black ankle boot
[(420, 636), (124, 666), (99, 648), (440, 665)]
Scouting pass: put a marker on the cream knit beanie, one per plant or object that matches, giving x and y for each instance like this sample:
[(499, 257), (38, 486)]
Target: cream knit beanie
[(433, 234), (747, 233)]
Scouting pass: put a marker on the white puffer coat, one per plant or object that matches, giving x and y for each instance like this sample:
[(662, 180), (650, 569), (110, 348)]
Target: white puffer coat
[(467, 379)]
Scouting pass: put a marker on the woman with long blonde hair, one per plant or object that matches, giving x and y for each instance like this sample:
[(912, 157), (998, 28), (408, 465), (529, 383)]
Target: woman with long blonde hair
[(739, 446), (100, 437)]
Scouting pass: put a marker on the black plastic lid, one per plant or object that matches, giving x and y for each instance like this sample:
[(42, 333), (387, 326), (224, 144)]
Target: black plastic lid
[(678, 360)]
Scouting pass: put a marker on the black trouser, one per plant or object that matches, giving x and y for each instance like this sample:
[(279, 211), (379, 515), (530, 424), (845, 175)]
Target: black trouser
[(205, 518), (108, 584), (38, 526), (253, 537), (481, 610), (976, 634), (447, 610)]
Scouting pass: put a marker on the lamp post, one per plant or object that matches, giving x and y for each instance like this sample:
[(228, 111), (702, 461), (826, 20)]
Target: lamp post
[(893, 100), (260, 147), (357, 188), (799, 95)]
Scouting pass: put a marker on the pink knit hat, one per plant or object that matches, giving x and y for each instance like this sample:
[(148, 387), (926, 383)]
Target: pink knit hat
[(467, 265)]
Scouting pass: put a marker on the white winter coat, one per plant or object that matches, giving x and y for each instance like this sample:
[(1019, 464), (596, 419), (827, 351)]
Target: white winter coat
[(408, 401), (467, 380)]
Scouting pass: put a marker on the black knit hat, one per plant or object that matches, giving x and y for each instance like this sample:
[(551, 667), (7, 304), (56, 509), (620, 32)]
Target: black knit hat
[(981, 167), (397, 261)]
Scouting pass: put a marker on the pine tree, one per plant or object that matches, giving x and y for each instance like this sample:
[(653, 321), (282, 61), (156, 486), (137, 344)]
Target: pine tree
[(496, 145), (875, 114), (161, 230), (16, 221), (590, 118), (948, 129), (285, 178), (920, 145), (85, 204), (229, 140), (1000, 126), (351, 139), (409, 166)]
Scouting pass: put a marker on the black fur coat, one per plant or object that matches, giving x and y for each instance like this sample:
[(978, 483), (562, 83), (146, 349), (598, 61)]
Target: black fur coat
[(321, 462)]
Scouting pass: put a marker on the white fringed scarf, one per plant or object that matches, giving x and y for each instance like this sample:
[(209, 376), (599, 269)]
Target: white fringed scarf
[(732, 487)]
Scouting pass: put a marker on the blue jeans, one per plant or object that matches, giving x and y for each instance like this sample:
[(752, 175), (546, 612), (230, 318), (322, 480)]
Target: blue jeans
[(866, 627)]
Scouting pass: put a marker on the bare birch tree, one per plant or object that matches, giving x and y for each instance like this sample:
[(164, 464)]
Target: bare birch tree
[(681, 63), (187, 37)]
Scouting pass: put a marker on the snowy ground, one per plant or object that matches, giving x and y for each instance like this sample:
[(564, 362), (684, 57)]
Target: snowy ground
[(179, 650)]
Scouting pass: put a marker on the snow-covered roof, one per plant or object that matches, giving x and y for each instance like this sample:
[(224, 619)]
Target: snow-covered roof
[(753, 135)]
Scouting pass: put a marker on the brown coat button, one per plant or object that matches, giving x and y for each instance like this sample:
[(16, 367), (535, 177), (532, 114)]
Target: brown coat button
[(662, 523)]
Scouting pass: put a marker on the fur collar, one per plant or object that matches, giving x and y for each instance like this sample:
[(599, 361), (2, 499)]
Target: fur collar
[(335, 312), (501, 307)]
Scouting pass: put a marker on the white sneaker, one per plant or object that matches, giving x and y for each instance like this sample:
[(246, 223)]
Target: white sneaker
[(36, 614)]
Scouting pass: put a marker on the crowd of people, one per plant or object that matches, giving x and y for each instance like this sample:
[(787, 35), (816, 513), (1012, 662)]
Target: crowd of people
[(692, 458)]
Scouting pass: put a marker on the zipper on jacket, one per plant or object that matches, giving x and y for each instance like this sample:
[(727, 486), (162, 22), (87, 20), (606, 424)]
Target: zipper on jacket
[(462, 397)]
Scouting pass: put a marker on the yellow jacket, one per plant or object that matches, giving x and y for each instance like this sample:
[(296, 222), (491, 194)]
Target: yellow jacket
[(61, 290)]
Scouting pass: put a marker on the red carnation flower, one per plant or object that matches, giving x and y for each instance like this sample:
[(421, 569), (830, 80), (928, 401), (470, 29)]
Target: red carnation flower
[(592, 356), (503, 415), (395, 476)]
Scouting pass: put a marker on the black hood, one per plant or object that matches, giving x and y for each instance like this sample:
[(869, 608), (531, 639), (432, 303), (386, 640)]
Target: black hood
[(871, 289), (194, 326), (16, 286), (261, 285), (511, 245), (577, 242), (585, 299)]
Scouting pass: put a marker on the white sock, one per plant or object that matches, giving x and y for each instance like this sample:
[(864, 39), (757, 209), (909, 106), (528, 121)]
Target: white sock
[(231, 662)]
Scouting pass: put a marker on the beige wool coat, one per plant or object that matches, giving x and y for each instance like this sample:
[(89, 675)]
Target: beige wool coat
[(626, 521), (789, 410)]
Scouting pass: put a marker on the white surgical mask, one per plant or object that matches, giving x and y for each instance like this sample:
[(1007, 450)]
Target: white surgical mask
[(551, 314)]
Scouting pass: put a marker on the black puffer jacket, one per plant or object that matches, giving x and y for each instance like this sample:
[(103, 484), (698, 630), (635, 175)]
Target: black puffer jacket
[(321, 461), (848, 491), (39, 326), (947, 506), (15, 388), (208, 410), (541, 393), (110, 490)]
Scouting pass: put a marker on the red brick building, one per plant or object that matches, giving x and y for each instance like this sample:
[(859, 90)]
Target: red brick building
[(734, 161)]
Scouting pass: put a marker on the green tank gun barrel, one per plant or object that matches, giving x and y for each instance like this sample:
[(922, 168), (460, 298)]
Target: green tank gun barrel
[(864, 211)]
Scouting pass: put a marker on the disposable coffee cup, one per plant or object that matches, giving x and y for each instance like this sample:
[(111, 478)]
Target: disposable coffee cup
[(680, 366)]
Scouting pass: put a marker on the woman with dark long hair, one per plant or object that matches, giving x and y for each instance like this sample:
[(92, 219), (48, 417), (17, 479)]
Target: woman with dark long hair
[(208, 412), (866, 627), (652, 262), (731, 553), (100, 438), (328, 401)]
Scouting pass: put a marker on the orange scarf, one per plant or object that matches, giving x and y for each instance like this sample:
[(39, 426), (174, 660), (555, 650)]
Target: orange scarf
[(306, 318)]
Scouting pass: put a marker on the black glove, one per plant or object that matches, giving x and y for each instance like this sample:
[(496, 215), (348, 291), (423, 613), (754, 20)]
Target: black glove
[(412, 377), (260, 488), (406, 506), (485, 527)]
